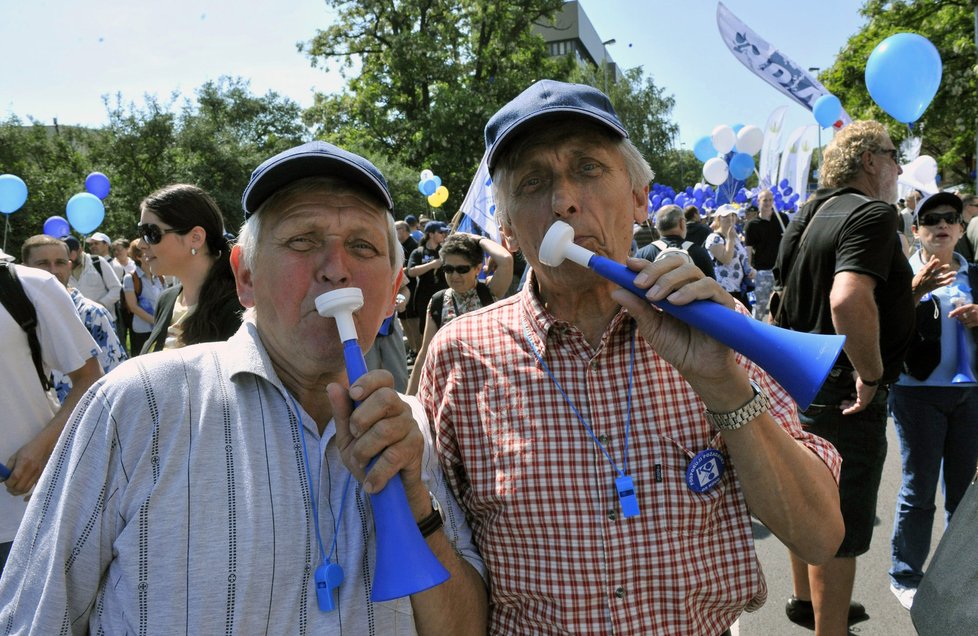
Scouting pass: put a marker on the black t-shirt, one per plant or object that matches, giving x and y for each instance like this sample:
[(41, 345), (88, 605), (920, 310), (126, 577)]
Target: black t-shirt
[(701, 258), (764, 237), (697, 233), (428, 283), (848, 234)]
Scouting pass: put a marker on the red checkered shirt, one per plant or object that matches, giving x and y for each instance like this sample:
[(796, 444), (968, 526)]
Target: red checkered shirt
[(540, 494)]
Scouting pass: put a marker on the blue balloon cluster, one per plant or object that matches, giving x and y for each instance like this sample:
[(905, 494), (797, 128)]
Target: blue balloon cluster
[(98, 184), (700, 195), (785, 198), (428, 186)]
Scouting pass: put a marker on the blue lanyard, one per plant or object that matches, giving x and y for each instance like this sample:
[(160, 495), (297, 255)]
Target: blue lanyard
[(312, 488), (623, 471)]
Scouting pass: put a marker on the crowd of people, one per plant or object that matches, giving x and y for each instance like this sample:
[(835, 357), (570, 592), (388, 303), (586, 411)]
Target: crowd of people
[(196, 459)]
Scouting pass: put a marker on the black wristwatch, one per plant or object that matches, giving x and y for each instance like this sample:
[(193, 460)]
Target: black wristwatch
[(430, 524)]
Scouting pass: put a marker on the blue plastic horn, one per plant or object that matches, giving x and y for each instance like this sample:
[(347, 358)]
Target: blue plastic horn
[(799, 361), (405, 564)]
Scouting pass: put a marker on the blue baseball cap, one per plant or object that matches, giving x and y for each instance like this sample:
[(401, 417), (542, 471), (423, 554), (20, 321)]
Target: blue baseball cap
[(436, 226), (548, 99), (313, 159)]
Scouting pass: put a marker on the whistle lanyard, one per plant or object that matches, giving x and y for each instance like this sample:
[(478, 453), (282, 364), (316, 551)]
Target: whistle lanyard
[(623, 484), (324, 558)]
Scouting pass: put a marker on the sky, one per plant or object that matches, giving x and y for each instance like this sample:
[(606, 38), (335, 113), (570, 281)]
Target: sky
[(58, 58)]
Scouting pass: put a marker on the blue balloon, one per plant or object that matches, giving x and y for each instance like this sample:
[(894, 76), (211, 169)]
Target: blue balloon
[(703, 149), (98, 184), (428, 187), (740, 197), (656, 201), (689, 191), (786, 192), (741, 166), (13, 193), (827, 110), (783, 184), (667, 201), (56, 226), (85, 212), (903, 74), (421, 187), (437, 181)]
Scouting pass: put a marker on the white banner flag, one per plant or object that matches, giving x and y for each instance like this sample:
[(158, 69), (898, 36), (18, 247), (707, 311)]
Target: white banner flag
[(478, 205), (803, 161), (789, 156), (767, 170), (768, 63)]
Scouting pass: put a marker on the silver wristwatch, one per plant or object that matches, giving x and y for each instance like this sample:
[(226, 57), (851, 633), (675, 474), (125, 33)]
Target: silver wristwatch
[(735, 419)]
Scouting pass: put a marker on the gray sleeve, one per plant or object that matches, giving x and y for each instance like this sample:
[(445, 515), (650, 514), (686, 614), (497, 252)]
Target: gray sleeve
[(64, 544)]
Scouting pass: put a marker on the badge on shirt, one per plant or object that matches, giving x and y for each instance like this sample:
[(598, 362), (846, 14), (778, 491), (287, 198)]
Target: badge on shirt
[(705, 470)]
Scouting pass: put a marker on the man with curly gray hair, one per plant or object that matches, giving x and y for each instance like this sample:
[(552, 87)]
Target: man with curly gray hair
[(842, 270)]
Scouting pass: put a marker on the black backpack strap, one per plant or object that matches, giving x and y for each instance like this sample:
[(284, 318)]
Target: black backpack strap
[(97, 263), (435, 306), (21, 309), (485, 294)]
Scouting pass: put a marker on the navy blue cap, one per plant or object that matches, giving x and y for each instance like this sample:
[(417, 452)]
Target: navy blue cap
[(435, 226), (410, 218), (72, 243), (931, 201), (548, 98), (313, 159)]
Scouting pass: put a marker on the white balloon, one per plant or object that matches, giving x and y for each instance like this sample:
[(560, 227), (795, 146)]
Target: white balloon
[(750, 139), (426, 174), (723, 138), (715, 170)]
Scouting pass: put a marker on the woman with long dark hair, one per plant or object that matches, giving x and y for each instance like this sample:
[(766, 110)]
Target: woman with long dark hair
[(184, 231)]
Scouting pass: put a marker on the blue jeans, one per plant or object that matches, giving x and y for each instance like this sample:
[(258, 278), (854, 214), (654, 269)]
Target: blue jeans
[(763, 285), (860, 439), (935, 425)]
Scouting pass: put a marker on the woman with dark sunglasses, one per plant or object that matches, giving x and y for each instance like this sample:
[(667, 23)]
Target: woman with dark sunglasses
[(184, 232), (935, 401), (461, 256)]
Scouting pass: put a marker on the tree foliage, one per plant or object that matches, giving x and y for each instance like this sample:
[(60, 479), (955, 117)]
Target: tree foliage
[(423, 77), (214, 141), (948, 126)]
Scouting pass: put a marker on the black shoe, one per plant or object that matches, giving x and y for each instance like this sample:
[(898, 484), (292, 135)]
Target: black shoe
[(802, 613)]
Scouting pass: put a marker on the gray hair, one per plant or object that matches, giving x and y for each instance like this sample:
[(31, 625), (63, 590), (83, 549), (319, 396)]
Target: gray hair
[(842, 161), (639, 172), (668, 218), (250, 234)]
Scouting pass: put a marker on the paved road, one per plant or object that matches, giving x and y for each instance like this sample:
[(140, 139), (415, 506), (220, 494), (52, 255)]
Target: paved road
[(887, 616)]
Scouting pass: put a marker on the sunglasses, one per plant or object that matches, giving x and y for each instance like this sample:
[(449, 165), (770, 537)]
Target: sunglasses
[(934, 218), (153, 233), (452, 269)]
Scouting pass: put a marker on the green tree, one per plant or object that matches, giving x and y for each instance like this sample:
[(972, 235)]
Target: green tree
[(423, 77), (52, 162), (645, 110), (948, 126)]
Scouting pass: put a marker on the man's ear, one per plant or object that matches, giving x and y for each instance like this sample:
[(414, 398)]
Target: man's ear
[(641, 209), (242, 278), (398, 279), (509, 240)]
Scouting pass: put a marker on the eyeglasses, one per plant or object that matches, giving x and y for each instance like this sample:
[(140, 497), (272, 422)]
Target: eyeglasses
[(934, 218), (893, 152), (153, 233), (452, 269)]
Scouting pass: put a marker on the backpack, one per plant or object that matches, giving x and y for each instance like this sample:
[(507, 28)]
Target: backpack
[(663, 247), (124, 314), (15, 300)]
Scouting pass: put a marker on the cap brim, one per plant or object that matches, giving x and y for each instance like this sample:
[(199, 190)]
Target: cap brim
[(505, 137), (312, 164)]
